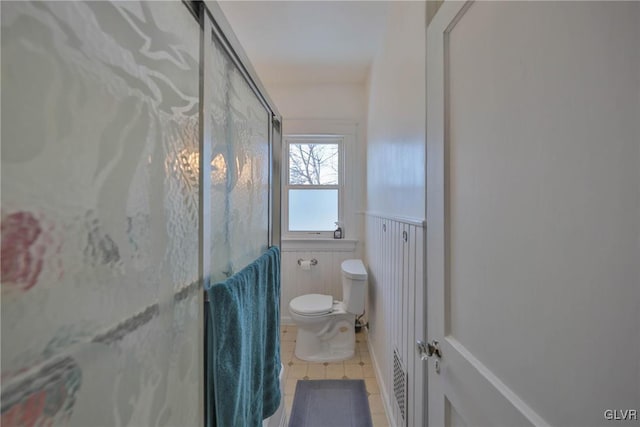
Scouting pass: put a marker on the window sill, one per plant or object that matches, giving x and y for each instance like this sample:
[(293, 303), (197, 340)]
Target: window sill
[(293, 244)]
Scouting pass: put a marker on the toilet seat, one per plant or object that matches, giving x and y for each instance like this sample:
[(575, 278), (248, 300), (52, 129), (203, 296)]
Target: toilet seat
[(312, 304)]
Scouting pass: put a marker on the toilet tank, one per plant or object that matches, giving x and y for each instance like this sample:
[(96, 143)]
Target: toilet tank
[(354, 285)]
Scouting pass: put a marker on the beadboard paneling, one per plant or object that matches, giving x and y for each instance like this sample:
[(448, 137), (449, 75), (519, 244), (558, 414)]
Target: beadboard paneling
[(395, 257)]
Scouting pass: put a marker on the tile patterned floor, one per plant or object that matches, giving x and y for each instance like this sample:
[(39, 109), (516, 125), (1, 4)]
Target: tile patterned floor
[(358, 367)]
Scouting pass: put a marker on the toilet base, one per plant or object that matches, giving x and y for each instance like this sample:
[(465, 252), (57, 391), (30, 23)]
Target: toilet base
[(330, 357), (327, 346)]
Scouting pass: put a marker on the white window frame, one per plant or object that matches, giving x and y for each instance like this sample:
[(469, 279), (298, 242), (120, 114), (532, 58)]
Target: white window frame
[(307, 139)]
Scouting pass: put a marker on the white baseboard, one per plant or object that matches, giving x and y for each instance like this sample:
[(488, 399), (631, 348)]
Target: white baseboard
[(286, 320), (381, 385)]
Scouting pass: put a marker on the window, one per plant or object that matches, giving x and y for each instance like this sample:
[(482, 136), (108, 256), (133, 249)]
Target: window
[(313, 185)]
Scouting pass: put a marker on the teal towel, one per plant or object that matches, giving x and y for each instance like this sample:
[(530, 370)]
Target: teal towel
[(244, 344)]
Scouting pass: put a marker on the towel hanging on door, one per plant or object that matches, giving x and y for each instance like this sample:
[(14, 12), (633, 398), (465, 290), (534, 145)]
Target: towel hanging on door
[(244, 344)]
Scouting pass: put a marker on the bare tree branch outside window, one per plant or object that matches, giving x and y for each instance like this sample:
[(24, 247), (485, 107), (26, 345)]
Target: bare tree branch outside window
[(313, 164)]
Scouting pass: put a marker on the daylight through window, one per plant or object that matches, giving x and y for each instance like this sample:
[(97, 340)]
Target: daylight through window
[(313, 184)]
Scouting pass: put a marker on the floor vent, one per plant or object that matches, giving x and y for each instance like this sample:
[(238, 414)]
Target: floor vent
[(400, 381)]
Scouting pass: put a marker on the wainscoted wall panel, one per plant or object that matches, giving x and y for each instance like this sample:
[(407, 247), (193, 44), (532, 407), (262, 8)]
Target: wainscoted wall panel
[(323, 278), (394, 255)]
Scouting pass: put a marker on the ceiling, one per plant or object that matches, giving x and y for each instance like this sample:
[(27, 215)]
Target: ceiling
[(308, 41)]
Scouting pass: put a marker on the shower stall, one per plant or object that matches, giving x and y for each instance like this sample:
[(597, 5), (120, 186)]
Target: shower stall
[(140, 161)]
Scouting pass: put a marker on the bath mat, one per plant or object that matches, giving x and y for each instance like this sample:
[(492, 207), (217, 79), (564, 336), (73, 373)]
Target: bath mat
[(330, 403)]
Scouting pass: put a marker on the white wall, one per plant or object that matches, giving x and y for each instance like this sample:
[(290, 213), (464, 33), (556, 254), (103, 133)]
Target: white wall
[(331, 108), (320, 101), (325, 108), (396, 148), (396, 116)]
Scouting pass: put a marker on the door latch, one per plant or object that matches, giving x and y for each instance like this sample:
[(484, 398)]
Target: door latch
[(426, 350)]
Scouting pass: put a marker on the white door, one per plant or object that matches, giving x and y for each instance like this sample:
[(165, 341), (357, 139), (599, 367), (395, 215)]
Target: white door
[(533, 213)]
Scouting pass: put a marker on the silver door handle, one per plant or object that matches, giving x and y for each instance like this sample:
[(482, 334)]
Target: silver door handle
[(426, 350)]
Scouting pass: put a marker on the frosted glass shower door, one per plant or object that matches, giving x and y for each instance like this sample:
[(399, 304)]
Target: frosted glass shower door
[(239, 166), (102, 207), (100, 295)]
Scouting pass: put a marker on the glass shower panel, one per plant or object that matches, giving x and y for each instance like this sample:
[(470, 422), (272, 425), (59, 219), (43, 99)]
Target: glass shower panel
[(240, 168), (100, 296)]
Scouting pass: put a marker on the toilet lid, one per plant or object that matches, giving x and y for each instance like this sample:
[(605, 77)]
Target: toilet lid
[(312, 304)]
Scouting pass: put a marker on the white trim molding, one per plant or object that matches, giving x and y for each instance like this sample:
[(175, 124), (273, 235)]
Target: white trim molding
[(419, 222), (321, 245), (351, 169)]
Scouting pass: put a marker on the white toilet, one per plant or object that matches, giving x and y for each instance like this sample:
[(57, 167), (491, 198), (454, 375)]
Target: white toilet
[(326, 328)]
